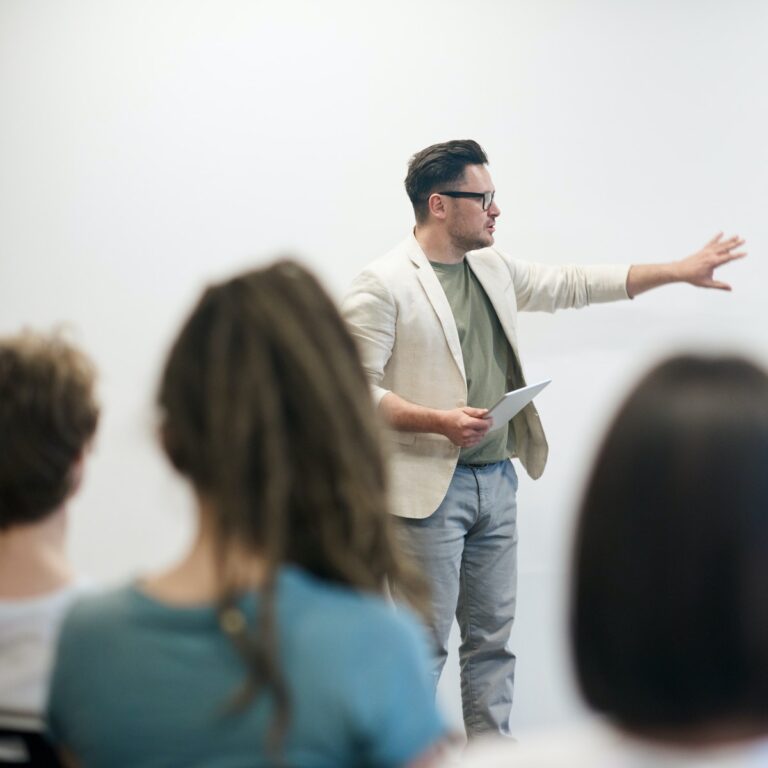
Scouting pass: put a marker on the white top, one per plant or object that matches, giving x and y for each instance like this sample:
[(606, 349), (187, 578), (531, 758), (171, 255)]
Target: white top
[(600, 746), (29, 628)]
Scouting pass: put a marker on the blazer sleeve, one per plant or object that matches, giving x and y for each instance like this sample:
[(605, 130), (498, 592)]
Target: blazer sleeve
[(549, 287), (371, 315)]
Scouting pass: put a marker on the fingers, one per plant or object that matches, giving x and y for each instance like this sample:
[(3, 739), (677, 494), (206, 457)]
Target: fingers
[(726, 257), (715, 239), (721, 246), (475, 431), (476, 413), (725, 250), (718, 284), (472, 441), (729, 244)]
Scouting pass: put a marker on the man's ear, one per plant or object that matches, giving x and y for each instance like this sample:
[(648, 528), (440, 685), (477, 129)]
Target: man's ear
[(437, 205)]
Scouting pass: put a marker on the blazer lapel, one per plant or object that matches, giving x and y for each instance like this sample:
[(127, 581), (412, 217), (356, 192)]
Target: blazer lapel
[(437, 298), (494, 285)]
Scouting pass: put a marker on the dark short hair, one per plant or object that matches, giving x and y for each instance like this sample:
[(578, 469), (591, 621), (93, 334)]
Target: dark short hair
[(48, 414), (439, 165), (669, 622)]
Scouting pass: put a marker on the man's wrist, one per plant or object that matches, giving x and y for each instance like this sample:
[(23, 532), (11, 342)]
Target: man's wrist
[(438, 421), (408, 417), (644, 277), (674, 272), (434, 420)]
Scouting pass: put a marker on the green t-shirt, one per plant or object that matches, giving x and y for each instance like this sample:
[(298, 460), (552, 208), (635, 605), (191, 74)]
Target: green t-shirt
[(485, 350)]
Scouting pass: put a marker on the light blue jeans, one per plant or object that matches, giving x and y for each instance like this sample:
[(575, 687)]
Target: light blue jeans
[(468, 551)]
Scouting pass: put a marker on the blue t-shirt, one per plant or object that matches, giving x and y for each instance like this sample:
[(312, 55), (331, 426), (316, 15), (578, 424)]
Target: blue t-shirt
[(142, 683)]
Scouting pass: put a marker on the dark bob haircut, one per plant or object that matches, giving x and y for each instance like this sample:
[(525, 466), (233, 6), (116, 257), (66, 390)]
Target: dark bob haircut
[(669, 621), (439, 165)]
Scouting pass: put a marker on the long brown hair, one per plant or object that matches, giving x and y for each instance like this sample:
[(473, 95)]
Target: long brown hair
[(266, 410)]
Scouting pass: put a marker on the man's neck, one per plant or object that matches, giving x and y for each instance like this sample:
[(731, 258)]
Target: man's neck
[(437, 246), (33, 559)]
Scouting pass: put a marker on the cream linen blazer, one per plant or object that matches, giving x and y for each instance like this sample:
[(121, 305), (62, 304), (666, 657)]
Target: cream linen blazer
[(406, 334)]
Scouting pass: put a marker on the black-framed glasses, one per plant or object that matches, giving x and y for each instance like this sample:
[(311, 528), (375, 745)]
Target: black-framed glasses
[(486, 197)]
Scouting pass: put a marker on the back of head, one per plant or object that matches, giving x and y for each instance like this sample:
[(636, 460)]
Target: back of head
[(669, 625), (267, 411), (437, 167), (48, 415)]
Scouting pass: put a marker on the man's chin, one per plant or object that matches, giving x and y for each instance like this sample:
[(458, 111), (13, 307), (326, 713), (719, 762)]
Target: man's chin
[(481, 241)]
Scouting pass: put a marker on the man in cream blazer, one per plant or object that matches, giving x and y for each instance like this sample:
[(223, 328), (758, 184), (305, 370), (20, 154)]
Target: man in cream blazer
[(435, 322), (409, 342)]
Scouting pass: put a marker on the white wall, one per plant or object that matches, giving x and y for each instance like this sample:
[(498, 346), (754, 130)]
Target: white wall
[(149, 146)]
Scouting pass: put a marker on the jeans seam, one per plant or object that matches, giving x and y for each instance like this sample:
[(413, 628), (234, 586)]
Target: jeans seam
[(467, 617), (474, 719)]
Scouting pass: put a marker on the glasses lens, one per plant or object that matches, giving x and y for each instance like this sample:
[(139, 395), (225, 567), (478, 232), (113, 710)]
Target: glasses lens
[(487, 200)]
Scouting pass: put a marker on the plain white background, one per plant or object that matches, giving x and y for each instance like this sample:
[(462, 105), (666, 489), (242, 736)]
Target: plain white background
[(148, 147)]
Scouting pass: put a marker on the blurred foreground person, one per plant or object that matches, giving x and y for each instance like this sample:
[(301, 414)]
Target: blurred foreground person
[(48, 416), (271, 642), (669, 625)]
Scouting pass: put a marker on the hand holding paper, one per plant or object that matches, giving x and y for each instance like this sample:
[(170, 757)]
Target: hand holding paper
[(512, 403)]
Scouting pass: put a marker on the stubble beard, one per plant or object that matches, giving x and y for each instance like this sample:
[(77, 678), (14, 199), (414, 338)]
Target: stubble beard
[(473, 243)]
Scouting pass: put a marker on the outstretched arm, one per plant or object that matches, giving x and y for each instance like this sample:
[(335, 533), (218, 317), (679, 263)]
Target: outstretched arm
[(697, 269)]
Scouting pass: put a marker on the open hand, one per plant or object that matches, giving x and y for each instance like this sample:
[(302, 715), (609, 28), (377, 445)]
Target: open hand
[(699, 268)]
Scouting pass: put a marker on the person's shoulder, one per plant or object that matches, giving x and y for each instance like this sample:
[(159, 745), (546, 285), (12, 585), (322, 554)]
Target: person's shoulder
[(47, 604), (93, 609), (493, 256), (392, 262), (338, 608), (306, 588), (378, 617)]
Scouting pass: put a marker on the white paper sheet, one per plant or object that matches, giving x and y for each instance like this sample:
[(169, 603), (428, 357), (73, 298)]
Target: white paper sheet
[(512, 403)]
